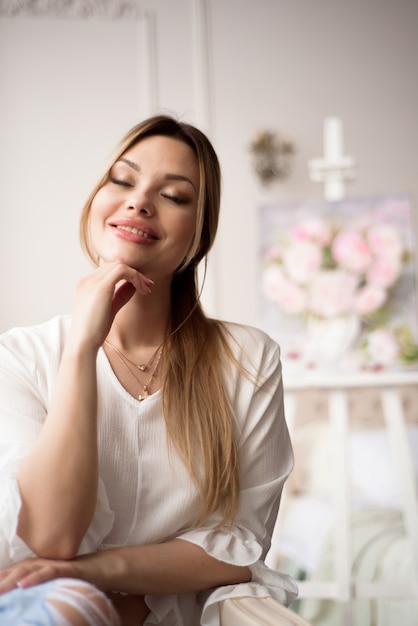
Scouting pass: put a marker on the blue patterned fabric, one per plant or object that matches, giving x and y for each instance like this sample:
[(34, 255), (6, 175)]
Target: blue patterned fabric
[(26, 607)]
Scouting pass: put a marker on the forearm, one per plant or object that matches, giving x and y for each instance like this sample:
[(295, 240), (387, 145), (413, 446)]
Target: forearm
[(58, 480), (176, 566)]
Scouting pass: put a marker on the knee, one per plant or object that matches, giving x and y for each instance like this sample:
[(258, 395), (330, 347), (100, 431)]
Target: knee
[(81, 604)]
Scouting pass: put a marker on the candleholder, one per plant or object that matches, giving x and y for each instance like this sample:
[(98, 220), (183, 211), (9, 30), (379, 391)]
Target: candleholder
[(334, 169), (272, 156)]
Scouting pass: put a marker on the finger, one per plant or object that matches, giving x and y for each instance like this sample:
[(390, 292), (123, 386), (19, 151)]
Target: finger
[(108, 275), (39, 576), (12, 575), (141, 283), (123, 293)]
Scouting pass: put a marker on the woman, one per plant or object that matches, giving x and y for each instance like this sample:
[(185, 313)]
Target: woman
[(143, 445)]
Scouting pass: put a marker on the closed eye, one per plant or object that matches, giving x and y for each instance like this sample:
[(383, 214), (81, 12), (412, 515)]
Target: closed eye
[(176, 199), (119, 181)]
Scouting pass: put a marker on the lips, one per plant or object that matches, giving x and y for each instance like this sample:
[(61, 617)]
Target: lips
[(136, 231), (139, 229)]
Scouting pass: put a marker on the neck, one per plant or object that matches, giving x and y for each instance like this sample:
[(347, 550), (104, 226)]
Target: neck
[(143, 321)]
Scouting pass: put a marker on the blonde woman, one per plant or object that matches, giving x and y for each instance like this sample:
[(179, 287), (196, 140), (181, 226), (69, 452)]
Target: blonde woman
[(143, 445)]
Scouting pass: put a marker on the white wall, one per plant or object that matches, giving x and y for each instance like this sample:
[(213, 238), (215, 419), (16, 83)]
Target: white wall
[(71, 87)]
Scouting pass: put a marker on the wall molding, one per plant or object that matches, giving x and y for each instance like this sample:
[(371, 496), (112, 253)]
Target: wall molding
[(148, 88), (202, 79), (110, 10), (82, 9), (204, 114)]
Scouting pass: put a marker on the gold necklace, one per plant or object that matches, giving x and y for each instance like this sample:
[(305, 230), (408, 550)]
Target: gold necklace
[(140, 366), (146, 389)]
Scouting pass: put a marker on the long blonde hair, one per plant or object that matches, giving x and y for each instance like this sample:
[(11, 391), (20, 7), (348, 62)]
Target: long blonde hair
[(197, 411)]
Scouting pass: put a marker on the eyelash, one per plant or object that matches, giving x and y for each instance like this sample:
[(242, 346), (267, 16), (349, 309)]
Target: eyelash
[(123, 183), (118, 181), (175, 199)]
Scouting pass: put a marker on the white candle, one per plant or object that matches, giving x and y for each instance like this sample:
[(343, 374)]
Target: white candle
[(333, 139)]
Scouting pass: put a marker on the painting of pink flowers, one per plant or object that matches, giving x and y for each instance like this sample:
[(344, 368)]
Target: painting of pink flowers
[(337, 283)]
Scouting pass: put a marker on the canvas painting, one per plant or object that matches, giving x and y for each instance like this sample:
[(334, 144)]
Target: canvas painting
[(337, 283)]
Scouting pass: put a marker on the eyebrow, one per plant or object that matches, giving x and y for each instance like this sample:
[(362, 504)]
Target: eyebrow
[(136, 167), (130, 163)]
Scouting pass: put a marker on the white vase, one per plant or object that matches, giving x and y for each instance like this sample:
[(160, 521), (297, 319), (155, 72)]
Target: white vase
[(329, 340)]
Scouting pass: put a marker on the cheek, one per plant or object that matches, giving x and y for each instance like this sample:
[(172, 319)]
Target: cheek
[(99, 205), (99, 211), (96, 219), (187, 234)]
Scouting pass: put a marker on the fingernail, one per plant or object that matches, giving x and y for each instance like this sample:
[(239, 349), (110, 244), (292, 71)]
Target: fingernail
[(149, 282)]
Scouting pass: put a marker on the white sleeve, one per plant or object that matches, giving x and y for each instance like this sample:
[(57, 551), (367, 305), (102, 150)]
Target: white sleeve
[(23, 407), (266, 459)]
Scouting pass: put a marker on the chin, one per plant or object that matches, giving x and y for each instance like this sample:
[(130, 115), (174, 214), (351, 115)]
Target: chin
[(122, 258)]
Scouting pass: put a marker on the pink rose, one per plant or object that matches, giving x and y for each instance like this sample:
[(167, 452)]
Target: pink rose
[(351, 252), (384, 241), (277, 288), (332, 293), (313, 228), (301, 261), (384, 271), (273, 253), (383, 348), (369, 299)]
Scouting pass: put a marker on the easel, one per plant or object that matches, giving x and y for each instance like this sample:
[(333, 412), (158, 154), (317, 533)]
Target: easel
[(334, 170)]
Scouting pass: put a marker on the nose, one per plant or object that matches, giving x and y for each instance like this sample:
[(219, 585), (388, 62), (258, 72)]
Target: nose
[(141, 203)]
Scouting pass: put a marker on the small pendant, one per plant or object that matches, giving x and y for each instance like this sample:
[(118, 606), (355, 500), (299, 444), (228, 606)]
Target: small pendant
[(142, 367), (144, 394)]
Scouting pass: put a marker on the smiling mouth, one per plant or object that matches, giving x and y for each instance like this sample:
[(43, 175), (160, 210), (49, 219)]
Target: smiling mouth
[(136, 231)]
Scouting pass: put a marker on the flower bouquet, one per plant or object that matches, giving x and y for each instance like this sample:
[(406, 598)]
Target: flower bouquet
[(342, 279)]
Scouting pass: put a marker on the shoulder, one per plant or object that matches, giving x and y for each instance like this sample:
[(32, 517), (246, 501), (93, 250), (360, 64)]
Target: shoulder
[(251, 338), (42, 341), (251, 346)]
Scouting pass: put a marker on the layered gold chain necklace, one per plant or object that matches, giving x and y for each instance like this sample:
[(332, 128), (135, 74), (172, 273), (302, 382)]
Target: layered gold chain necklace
[(143, 367)]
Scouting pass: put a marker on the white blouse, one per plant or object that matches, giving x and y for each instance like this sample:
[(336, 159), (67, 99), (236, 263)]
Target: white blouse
[(145, 494)]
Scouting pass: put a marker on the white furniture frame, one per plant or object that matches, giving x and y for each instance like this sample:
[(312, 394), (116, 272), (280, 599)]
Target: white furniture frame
[(343, 588), (248, 611)]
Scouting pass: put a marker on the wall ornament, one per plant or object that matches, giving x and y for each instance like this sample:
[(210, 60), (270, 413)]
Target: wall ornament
[(271, 156), (83, 9)]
